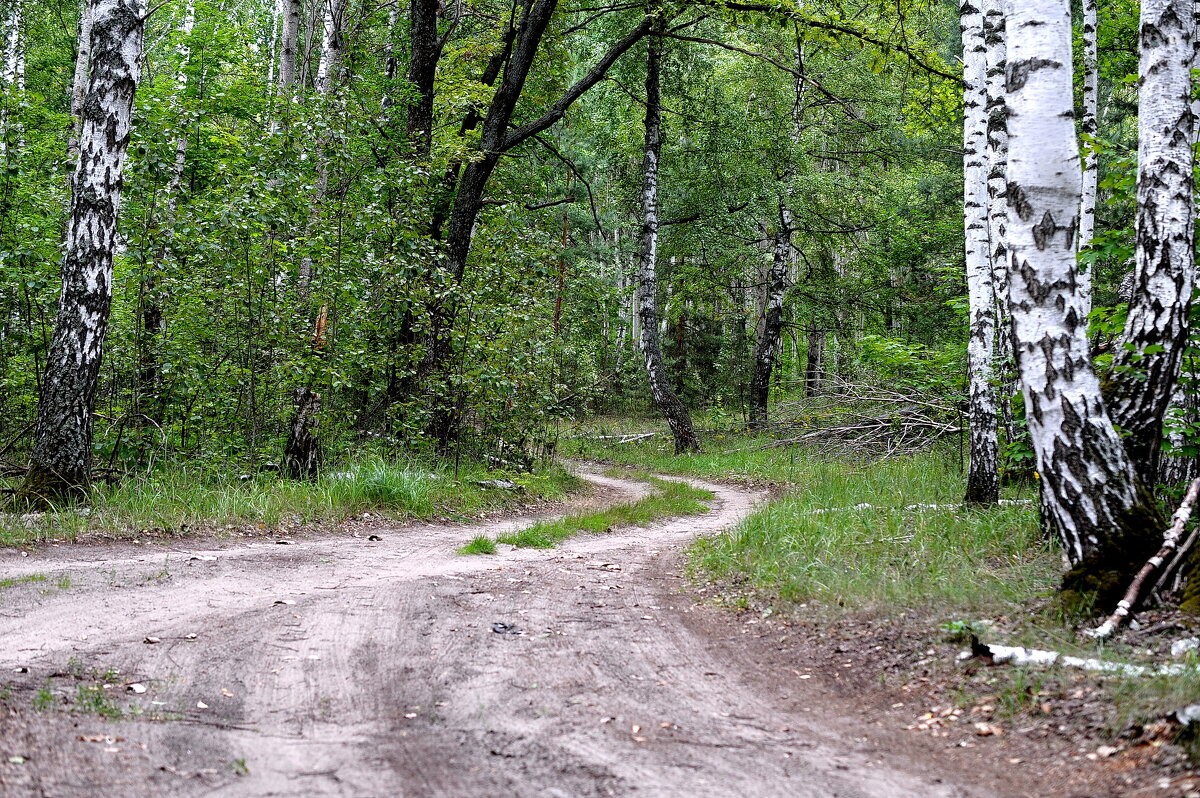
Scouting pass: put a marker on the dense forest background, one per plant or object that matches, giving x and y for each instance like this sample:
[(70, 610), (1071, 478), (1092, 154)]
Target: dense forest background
[(287, 239)]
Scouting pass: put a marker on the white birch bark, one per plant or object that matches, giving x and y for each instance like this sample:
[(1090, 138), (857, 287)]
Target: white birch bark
[(184, 51), (13, 76), (1090, 126), (62, 452), (83, 62), (994, 36), (983, 481), (1089, 493), (1146, 365), (289, 42), (650, 342)]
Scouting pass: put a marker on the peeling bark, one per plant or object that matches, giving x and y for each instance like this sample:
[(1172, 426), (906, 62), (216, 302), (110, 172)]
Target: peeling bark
[(62, 452), (983, 481)]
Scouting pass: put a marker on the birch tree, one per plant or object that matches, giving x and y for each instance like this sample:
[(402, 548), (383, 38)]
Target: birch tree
[(1106, 523), (766, 349), (61, 461), (996, 57), (983, 482), (1146, 366), (79, 83), (302, 452), (1090, 127), (650, 343)]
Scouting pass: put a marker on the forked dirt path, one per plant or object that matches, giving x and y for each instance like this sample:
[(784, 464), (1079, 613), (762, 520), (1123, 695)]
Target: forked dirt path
[(385, 676)]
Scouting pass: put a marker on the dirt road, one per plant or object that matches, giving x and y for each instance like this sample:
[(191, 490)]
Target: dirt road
[(382, 674)]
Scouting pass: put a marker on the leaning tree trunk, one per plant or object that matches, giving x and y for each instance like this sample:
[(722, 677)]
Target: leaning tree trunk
[(62, 451), (1146, 365), (766, 349), (647, 284), (983, 481), (1107, 524), (1090, 127)]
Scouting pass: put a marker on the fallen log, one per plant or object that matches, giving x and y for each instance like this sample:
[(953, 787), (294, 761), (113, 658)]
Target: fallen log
[(1170, 543)]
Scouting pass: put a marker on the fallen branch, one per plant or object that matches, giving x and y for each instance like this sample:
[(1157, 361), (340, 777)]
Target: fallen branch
[(1170, 543), (1001, 502), (1019, 655)]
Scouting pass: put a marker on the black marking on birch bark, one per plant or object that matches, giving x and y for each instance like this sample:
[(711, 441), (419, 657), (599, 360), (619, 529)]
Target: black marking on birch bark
[(1019, 71), (1019, 202)]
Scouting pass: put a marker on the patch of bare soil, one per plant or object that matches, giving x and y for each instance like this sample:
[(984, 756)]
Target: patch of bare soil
[(1048, 732), (345, 666)]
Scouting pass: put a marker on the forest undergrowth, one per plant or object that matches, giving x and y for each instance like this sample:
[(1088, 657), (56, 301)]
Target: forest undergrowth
[(873, 549), (194, 499)]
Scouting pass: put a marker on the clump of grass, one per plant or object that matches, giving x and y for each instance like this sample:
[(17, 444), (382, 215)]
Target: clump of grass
[(19, 580), (175, 500), (480, 544), (820, 545), (670, 499)]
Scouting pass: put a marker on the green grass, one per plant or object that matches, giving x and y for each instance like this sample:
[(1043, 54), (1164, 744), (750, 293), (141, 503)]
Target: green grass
[(480, 544), (19, 580), (670, 499), (176, 501)]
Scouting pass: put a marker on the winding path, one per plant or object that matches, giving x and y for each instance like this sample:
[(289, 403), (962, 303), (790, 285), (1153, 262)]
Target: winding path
[(342, 667)]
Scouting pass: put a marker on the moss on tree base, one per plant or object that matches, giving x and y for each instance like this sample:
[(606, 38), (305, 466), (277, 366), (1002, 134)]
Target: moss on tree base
[(45, 489), (1100, 579)]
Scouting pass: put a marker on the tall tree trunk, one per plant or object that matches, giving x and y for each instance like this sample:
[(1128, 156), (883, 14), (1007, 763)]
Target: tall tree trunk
[(495, 140), (149, 403), (983, 481), (289, 44), (814, 366), (1090, 127), (424, 54), (1146, 365), (79, 85), (766, 349), (668, 403), (13, 80), (62, 451), (1106, 522), (994, 35), (302, 452)]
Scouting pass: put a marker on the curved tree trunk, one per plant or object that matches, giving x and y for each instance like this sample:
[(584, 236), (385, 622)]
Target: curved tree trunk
[(1107, 524), (647, 286), (1146, 366), (62, 451), (983, 481)]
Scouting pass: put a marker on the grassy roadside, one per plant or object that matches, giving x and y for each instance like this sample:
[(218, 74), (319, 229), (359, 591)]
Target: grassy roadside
[(846, 545), (670, 499), (192, 499)]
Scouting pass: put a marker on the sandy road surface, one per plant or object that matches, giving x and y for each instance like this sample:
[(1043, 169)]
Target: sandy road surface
[(385, 677)]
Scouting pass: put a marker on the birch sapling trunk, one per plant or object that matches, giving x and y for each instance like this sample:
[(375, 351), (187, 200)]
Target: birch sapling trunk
[(994, 36), (13, 79), (289, 43), (668, 403), (766, 349), (983, 480), (79, 84), (61, 462), (149, 403), (1146, 365), (1107, 524), (302, 452), (1089, 125)]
